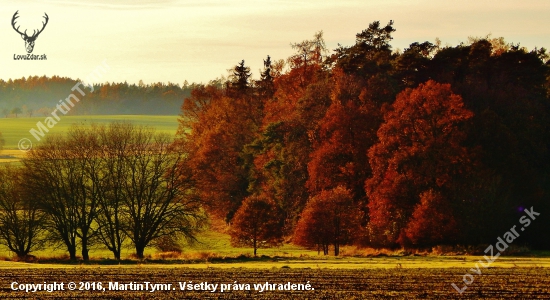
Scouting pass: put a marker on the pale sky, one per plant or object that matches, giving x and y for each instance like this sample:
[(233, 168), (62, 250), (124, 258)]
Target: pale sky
[(199, 40)]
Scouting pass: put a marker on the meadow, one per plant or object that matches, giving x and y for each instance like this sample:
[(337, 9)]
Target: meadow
[(213, 249), (15, 129)]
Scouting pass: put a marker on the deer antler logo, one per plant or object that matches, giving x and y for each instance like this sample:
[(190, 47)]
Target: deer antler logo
[(29, 40)]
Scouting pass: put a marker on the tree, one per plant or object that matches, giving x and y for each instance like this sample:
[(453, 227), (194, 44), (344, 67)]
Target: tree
[(100, 183), (371, 53), (257, 223), (504, 85), (376, 36), (346, 132), (219, 169), (328, 218), (413, 66), (309, 53), (157, 191), (266, 88), (113, 144), (215, 129), (279, 170), (16, 111), (420, 148), (21, 221), (239, 84), (431, 223), (59, 168), (5, 112), (195, 107), (281, 151)]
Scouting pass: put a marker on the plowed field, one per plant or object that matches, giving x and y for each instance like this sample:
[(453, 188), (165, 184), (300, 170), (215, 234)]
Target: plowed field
[(493, 283)]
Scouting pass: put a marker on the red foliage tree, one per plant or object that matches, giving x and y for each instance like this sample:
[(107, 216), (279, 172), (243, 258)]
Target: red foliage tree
[(282, 151), (328, 218), (215, 128), (346, 132), (432, 222), (420, 148), (257, 223)]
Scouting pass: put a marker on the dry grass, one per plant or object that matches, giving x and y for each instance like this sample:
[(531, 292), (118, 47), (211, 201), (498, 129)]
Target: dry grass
[(134, 256), (354, 251), (200, 255), (5, 258), (441, 250), (445, 250), (167, 255)]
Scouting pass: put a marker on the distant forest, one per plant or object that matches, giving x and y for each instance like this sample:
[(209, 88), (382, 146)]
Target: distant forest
[(38, 96)]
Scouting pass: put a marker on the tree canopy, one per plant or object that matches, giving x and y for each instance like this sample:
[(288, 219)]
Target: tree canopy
[(433, 134)]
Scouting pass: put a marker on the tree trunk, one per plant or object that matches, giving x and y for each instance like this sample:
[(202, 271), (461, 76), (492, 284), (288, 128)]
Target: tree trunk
[(116, 253), (336, 249), (255, 247), (85, 254), (139, 251), (72, 252)]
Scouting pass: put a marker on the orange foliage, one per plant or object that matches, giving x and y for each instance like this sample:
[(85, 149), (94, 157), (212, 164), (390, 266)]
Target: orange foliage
[(330, 218), (419, 149), (346, 132), (257, 223), (432, 222)]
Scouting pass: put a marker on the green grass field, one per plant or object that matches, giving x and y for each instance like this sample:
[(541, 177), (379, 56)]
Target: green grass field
[(15, 129), (210, 245), (213, 249)]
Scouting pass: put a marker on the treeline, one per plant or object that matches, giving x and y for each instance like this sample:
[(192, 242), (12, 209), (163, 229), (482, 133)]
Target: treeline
[(38, 96), (366, 145), (110, 186)]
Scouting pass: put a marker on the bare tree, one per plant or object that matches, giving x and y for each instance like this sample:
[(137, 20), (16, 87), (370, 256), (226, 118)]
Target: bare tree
[(115, 141), (58, 172), (83, 144), (21, 222), (158, 200), (108, 183), (144, 194)]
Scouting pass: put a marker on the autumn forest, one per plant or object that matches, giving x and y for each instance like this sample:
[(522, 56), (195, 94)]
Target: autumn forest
[(376, 147), (361, 145)]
